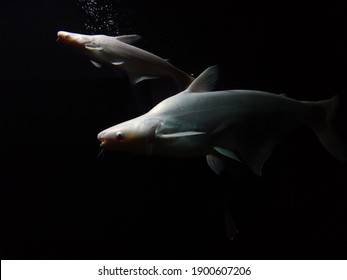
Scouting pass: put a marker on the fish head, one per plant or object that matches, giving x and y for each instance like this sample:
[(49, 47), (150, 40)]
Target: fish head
[(135, 136), (80, 41)]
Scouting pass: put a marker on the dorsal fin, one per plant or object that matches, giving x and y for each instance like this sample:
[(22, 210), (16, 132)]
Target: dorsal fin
[(206, 81), (129, 39)]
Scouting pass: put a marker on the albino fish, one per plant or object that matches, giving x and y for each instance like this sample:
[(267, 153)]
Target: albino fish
[(120, 55), (244, 125)]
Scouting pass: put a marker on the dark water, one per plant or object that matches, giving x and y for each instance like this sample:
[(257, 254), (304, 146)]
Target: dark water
[(59, 202)]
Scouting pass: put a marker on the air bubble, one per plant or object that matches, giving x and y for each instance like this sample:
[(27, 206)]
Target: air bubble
[(101, 16)]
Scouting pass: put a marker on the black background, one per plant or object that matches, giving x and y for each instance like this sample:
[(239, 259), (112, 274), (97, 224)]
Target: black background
[(59, 202)]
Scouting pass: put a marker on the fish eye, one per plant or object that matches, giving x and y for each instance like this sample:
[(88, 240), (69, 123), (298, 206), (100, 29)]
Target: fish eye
[(120, 137)]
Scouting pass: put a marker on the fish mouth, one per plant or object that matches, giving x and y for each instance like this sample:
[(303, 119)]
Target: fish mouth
[(62, 36), (103, 142), (67, 37), (101, 137)]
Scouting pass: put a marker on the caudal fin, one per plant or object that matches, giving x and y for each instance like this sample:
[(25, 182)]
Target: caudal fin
[(326, 132)]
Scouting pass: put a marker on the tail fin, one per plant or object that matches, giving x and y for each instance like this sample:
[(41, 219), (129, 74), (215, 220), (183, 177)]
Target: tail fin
[(326, 132)]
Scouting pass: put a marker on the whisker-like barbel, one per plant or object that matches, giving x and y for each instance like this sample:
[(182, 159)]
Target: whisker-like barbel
[(101, 154)]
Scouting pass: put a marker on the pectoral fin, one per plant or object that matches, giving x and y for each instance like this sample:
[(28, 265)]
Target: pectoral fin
[(180, 134), (93, 48), (129, 39), (136, 78), (96, 64), (117, 62)]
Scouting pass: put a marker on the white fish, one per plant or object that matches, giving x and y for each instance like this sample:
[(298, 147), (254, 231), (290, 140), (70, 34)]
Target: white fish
[(120, 55), (244, 125)]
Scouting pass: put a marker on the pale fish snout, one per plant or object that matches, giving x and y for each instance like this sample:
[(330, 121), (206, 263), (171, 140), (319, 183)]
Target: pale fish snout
[(63, 36), (102, 137)]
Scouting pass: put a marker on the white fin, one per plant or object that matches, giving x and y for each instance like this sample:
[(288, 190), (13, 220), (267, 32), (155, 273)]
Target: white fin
[(96, 64), (135, 78), (215, 163), (283, 95), (93, 48), (117, 63), (227, 153), (129, 39), (180, 134), (206, 81)]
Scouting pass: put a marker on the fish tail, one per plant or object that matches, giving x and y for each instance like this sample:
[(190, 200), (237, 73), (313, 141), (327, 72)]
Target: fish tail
[(325, 129)]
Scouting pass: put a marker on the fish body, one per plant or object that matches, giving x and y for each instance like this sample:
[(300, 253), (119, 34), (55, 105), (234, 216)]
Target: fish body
[(244, 125), (118, 53)]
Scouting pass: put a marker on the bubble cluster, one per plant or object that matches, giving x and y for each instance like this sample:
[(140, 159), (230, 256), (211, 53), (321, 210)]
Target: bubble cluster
[(103, 16)]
